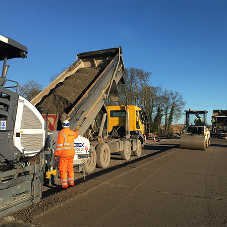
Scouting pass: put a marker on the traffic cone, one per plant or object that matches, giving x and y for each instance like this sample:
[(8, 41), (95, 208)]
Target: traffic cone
[(154, 139), (145, 139)]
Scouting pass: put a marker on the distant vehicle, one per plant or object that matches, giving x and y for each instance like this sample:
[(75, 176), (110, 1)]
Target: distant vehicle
[(195, 134), (219, 123)]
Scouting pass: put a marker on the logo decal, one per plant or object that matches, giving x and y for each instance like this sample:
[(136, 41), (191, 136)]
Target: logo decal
[(3, 125), (78, 144)]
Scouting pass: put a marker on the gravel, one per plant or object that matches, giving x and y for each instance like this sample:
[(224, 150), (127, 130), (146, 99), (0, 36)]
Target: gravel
[(69, 91)]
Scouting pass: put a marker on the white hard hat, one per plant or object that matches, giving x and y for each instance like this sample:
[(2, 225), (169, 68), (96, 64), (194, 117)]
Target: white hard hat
[(65, 124)]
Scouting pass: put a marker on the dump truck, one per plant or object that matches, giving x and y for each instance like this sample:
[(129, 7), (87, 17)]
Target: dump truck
[(29, 130), (79, 95), (195, 134), (219, 123)]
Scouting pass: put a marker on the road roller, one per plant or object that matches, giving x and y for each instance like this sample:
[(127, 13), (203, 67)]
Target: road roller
[(195, 134)]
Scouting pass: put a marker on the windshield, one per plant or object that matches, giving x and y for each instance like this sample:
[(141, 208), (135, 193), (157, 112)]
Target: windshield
[(195, 119), (117, 113)]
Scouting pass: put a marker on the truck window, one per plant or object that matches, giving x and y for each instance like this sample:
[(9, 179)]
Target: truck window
[(141, 117), (137, 120), (117, 113)]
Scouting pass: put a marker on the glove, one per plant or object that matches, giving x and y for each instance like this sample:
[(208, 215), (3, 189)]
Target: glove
[(76, 132), (56, 158)]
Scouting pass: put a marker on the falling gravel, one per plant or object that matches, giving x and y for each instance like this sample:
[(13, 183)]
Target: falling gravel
[(69, 91)]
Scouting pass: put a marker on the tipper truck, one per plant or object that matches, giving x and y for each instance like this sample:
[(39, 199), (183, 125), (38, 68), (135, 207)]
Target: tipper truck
[(79, 95), (219, 123), (29, 130)]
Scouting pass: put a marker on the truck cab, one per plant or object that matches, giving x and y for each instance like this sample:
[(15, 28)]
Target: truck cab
[(117, 120)]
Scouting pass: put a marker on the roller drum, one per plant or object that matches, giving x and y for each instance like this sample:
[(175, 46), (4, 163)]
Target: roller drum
[(195, 142)]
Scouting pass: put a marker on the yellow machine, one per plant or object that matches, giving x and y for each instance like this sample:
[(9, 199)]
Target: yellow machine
[(127, 122), (195, 134), (117, 120)]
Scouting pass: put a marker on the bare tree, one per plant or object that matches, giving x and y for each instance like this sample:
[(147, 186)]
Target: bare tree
[(147, 99), (166, 107), (135, 81), (161, 106), (170, 118), (179, 103), (30, 89)]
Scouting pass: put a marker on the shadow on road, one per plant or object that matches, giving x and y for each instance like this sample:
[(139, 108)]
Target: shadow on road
[(218, 145), (158, 150), (218, 142)]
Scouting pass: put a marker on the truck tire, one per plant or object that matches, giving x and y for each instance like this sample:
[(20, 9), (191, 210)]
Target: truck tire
[(138, 150), (103, 155), (126, 152), (90, 164)]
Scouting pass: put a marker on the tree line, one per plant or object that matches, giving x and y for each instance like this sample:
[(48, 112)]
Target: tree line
[(163, 107)]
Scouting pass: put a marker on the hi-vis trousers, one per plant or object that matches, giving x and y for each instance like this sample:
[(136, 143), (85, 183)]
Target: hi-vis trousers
[(66, 166)]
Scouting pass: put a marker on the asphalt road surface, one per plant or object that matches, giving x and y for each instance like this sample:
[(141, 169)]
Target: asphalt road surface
[(168, 186)]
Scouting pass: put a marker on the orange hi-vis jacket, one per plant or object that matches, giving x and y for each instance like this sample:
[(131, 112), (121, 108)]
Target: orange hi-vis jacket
[(65, 143)]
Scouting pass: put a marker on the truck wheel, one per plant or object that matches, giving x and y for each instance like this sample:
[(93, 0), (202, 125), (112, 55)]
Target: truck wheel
[(138, 150), (90, 164), (126, 152), (103, 155)]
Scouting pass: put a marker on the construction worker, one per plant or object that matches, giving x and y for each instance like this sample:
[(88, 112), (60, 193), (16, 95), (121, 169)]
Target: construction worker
[(198, 120), (65, 151)]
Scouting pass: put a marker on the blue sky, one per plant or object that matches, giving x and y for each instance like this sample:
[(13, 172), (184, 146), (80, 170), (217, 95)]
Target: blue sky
[(182, 43)]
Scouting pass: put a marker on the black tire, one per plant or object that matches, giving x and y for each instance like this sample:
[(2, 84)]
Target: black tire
[(138, 150), (90, 164), (126, 152), (103, 155)]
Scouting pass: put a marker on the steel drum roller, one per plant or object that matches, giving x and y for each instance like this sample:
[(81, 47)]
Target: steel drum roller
[(196, 142)]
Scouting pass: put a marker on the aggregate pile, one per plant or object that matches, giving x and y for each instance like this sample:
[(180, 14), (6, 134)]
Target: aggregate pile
[(69, 91)]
